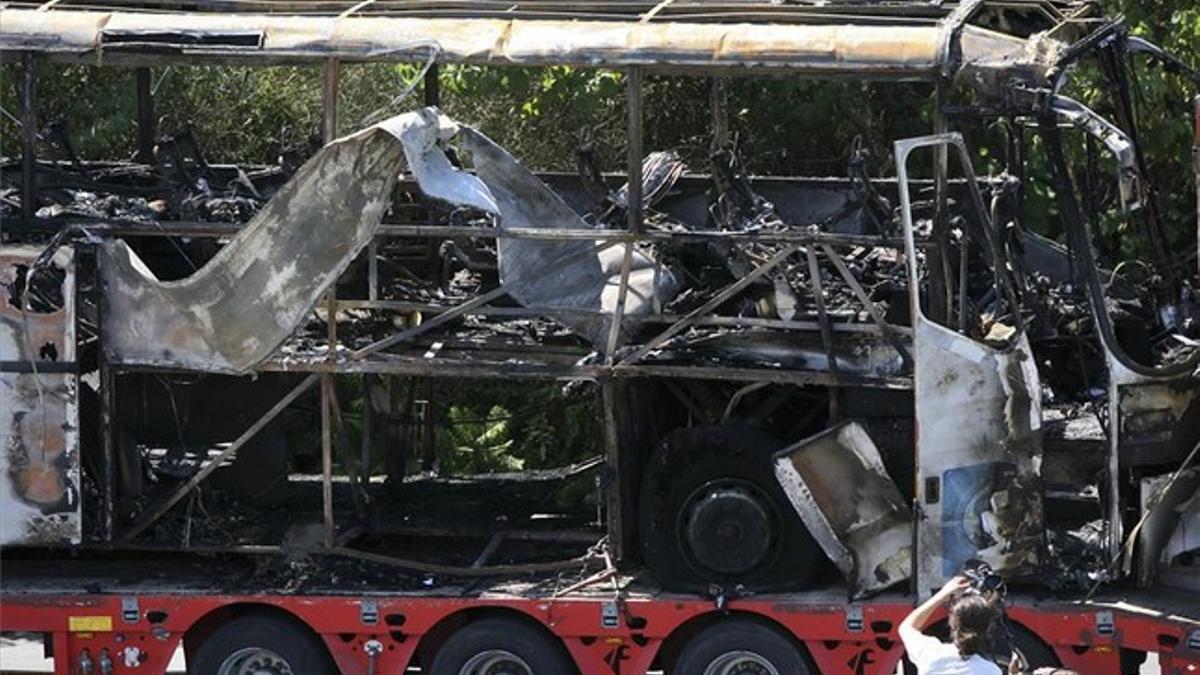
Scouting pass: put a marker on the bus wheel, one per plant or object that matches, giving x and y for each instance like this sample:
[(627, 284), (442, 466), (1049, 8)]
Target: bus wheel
[(500, 646), (712, 512), (741, 647), (262, 644)]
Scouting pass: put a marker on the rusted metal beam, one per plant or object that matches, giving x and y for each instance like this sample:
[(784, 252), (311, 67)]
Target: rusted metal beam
[(331, 307), (156, 512), (342, 445), (555, 536), (719, 102), (796, 234), (328, 530), (865, 299), (29, 129), (489, 549), (145, 117), (818, 290), (633, 201), (941, 301), (737, 321), (368, 412), (713, 302), (329, 100), (108, 433), (392, 364), (614, 327), (633, 159), (458, 571), (615, 506)]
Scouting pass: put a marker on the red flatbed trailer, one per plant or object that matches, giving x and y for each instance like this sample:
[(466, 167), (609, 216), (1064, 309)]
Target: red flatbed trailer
[(138, 630)]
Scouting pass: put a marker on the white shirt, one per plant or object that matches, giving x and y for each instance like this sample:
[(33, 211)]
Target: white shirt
[(931, 656)]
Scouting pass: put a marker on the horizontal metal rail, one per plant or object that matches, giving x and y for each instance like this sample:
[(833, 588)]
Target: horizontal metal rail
[(844, 326), (796, 235), (391, 364)]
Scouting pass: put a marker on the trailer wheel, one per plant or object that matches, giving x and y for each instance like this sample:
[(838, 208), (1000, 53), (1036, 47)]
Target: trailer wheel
[(500, 646), (261, 644), (740, 647), (711, 512)]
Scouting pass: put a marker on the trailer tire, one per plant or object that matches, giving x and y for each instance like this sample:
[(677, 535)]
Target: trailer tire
[(1037, 654), (739, 645), (501, 645), (710, 513), (279, 645)]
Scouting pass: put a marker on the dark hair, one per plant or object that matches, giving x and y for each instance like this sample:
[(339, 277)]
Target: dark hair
[(971, 617)]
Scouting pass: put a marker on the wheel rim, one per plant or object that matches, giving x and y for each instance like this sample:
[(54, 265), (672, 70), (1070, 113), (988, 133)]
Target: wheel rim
[(728, 527), (740, 663), (255, 661), (495, 662)]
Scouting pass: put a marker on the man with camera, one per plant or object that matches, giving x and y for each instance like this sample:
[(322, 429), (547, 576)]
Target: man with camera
[(971, 615)]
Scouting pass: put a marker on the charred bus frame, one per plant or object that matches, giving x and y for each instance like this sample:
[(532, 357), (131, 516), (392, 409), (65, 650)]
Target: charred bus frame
[(933, 52)]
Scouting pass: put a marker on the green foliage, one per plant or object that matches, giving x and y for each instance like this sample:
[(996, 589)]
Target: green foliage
[(471, 444), (94, 100), (536, 426)]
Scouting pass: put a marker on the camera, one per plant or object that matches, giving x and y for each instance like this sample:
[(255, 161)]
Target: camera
[(983, 578)]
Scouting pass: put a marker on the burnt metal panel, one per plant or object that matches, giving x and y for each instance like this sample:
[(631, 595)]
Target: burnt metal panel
[(837, 483), (978, 416), (39, 414), (1154, 421), (524, 201), (240, 306), (1169, 504)]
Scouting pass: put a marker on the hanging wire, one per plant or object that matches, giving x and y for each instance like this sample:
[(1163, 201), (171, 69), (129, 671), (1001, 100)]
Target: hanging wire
[(435, 50)]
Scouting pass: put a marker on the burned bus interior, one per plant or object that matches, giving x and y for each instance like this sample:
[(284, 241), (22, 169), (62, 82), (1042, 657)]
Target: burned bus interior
[(860, 378)]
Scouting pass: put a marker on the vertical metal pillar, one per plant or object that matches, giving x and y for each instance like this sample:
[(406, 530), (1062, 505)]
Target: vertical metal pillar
[(1196, 171), (329, 94), (613, 494), (432, 88), (941, 300), (108, 433), (619, 496), (29, 126), (327, 459), (719, 100), (634, 130), (329, 100), (108, 405), (368, 411), (145, 114)]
